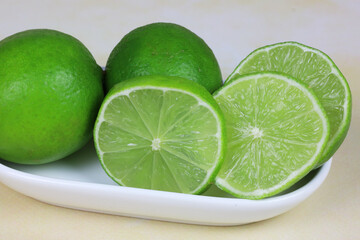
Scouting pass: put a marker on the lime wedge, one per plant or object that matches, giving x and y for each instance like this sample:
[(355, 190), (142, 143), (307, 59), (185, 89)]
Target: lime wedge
[(162, 133), (276, 133), (318, 72)]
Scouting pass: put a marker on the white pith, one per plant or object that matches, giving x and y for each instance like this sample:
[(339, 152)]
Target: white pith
[(256, 132), (155, 144)]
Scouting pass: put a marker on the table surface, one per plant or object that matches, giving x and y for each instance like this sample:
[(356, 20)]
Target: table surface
[(232, 29)]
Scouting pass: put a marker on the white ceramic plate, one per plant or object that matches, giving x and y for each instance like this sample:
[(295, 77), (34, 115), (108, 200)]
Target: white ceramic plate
[(79, 182)]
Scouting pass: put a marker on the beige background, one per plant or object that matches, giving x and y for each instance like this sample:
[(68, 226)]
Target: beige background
[(232, 29)]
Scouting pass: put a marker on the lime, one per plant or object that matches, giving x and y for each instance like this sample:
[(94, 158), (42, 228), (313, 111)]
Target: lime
[(50, 92), (318, 72), (163, 49), (276, 133), (163, 133)]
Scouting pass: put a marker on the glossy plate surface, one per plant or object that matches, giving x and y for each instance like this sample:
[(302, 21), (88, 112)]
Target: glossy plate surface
[(79, 182)]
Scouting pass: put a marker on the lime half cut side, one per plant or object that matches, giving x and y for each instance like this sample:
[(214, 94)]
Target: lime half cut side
[(276, 133), (318, 72), (161, 133)]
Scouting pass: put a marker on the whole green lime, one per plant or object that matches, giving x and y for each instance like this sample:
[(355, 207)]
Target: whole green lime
[(163, 49), (50, 92)]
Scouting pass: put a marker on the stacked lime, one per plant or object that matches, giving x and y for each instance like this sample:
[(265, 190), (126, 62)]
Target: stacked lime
[(284, 123), (159, 127), (318, 72)]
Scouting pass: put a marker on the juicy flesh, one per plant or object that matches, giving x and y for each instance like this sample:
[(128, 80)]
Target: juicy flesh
[(272, 131), (159, 139), (311, 68)]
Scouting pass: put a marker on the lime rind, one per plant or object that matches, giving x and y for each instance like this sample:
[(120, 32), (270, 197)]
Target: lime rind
[(181, 53), (295, 176), (339, 135), (180, 86), (49, 98)]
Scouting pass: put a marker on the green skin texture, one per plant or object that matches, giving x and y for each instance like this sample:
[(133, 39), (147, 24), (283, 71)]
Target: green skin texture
[(177, 83), (50, 91), (163, 49)]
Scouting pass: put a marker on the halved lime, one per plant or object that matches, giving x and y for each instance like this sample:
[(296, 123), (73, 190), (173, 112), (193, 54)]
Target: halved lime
[(162, 133), (276, 133), (318, 72)]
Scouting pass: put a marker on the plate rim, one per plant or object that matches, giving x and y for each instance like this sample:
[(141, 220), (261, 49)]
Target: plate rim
[(17, 180)]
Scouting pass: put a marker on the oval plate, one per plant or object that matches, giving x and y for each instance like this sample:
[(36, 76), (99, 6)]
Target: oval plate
[(79, 182)]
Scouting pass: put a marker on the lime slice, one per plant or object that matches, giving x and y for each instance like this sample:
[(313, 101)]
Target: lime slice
[(318, 72), (276, 133), (162, 133)]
